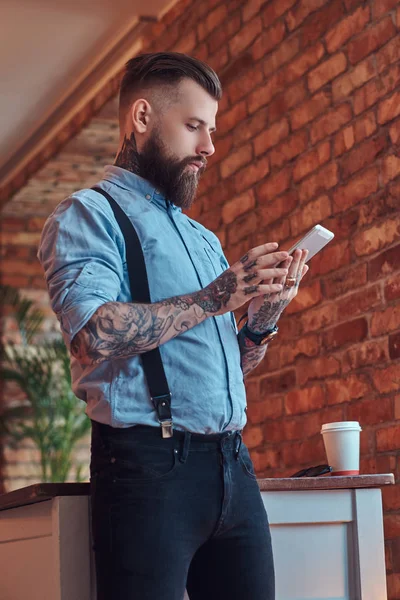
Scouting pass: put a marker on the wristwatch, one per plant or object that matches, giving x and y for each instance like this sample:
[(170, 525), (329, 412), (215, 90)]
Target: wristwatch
[(260, 339)]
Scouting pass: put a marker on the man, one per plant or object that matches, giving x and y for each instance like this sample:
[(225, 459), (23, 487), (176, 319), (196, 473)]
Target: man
[(185, 510)]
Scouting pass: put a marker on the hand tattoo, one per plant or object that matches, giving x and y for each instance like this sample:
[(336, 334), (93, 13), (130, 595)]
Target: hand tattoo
[(251, 354), (267, 315), (250, 277)]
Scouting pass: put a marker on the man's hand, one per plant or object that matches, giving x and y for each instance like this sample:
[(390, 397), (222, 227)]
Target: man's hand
[(265, 310), (257, 273)]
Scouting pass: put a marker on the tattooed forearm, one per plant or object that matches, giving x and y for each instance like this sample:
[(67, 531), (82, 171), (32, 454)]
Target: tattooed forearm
[(267, 316), (251, 354), (119, 329)]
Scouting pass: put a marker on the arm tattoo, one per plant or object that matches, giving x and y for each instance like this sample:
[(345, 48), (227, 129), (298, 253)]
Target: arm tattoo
[(251, 354), (119, 329), (267, 315)]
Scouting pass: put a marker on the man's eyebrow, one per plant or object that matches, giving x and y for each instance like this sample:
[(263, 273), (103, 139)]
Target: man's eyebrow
[(212, 129)]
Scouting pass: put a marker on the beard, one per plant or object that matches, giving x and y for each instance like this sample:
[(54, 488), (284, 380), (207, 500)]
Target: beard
[(169, 174)]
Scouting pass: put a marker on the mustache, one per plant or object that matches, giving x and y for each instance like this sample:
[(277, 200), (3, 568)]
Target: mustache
[(195, 159)]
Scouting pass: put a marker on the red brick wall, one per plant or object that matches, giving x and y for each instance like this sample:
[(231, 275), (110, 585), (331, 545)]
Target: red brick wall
[(308, 132)]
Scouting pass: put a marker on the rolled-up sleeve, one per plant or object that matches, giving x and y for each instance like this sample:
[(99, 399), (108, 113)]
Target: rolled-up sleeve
[(81, 254)]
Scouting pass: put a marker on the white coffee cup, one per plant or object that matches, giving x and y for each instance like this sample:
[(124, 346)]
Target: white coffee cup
[(342, 446)]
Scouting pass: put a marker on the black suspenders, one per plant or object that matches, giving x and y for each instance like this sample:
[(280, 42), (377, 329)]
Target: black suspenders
[(152, 362)]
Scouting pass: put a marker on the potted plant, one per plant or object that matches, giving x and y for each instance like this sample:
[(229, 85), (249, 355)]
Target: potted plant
[(50, 413)]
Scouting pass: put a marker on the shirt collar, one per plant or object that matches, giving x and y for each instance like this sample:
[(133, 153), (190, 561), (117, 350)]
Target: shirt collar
[(133, 183)]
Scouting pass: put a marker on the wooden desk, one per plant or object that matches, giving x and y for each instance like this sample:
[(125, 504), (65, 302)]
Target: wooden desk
[(327, 536)]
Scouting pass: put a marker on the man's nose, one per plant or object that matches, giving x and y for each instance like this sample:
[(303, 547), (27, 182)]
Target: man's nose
[(206, 147)]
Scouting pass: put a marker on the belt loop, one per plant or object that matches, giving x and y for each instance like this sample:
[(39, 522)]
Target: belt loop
[(186, 446), (238, 444)]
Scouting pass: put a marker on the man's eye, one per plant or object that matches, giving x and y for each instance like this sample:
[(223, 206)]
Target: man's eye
[(191, 127)]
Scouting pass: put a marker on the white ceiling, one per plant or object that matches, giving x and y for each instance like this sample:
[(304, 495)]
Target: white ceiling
[(53, 53)]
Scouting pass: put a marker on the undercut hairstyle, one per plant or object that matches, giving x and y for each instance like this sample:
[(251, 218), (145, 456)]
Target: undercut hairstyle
[(165, 70)]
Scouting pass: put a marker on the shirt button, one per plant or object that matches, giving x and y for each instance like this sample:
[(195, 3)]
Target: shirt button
[(157, 191), (148, 196)]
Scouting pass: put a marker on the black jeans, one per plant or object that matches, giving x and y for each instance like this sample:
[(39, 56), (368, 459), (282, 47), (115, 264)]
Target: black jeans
[(174, 513)]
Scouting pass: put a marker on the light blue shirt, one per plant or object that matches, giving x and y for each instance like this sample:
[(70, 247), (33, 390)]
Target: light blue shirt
[(82, 251)]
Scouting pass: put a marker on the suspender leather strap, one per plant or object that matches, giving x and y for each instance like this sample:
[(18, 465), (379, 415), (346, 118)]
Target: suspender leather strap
[(140, 292)]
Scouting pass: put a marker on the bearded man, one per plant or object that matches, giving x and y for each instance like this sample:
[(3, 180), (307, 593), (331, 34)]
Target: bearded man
[(175, 501)]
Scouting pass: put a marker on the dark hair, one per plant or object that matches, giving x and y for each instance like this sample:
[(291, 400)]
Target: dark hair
[(167, 68)]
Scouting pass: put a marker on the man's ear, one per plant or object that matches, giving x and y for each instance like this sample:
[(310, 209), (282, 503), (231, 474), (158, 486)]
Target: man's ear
[(141, 115)]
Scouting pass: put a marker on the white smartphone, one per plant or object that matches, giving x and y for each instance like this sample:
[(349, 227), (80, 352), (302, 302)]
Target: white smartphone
[(313, 241)]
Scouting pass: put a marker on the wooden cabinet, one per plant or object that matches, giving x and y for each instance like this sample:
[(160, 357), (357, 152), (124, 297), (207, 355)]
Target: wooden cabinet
[(327, 537)]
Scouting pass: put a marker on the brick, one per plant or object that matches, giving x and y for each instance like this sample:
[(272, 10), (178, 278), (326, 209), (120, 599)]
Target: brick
[(364, 126), (375, 89), (323, 180), (312, 213), (311, 161), (319, 367), (347, 28), (372, 38), (380, 7), (212, 219), (331, 258), (253, 436), (345, 333), (289, 149), (304, 400), (346, 388), (392, 288), (213, 19), (356, 190), (275, 9), (270, 137), (367, 353), (17, 281), (267, 458), (343, 141), (232, 117), (236, 160), (268, 40), (360, 302), (326, 71), (394, 132), (390, 168), (354, 78), (14, 267), (388, 54), (35, 223), (317, 25), (319, 317), (274, 185), (279, 207), (309, 110), (371, 412), (301, 64), (394, 346), (305, 346), (308, 296), (387, 380), (305, 452), (288, 99), (385, 321), (298, 14), (238, 206), (387, 438), (264, 94), (249, 128), (284, 52), (333, 120), (21, 238), (268, 408), (375, 238), (275, 384), (242, 227), (243, 82), (251, 174), (365, 154), (389, 108), (245, 36)]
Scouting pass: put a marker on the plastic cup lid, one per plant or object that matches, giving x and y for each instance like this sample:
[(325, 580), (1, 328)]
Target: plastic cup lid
[(341, 425)]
